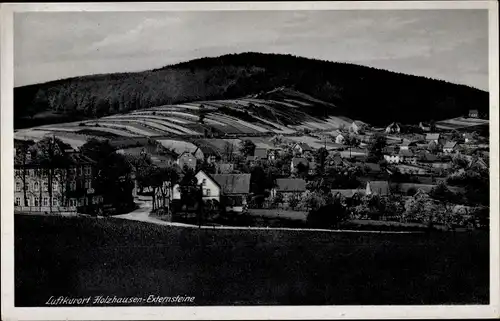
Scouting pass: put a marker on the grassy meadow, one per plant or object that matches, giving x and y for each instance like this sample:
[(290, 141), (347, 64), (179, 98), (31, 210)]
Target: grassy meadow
[(80, 256)]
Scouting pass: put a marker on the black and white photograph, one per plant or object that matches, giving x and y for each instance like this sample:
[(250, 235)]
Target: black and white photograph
[(250, 156)]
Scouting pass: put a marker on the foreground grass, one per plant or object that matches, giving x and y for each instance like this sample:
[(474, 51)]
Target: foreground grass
[(89, 257)]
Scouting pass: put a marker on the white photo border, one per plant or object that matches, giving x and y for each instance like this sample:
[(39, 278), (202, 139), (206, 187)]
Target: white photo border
[(9, 312)]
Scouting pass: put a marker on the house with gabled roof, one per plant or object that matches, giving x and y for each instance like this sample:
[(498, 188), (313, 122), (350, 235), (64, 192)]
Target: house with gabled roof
[(432, 137), (393, 128), (358, 127), (301, 148), (407, 156), (380, 188), (473, 113), (230, 190), (407, 144), (289, 187), (449, 147)]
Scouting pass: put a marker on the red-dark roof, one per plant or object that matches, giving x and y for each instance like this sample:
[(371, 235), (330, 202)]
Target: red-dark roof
[(290, 185), (233, 183)]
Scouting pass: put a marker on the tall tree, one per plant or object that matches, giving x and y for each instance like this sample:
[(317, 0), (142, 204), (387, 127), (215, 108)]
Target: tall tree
[(247, 147), (51, 156)]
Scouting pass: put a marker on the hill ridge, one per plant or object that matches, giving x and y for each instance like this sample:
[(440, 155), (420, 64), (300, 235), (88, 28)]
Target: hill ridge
[(358, 92)]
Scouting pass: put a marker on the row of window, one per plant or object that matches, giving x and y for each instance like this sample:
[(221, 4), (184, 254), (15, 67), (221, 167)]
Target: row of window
[(35, 201), (35, 186), (38, 172)]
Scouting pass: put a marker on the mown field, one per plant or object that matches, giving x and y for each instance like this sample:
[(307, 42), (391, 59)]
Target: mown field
[(88, 257)]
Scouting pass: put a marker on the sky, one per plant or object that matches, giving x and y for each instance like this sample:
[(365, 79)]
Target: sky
[(444, 44)]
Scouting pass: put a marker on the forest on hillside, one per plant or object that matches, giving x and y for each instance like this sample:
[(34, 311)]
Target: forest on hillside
[(372, 95)]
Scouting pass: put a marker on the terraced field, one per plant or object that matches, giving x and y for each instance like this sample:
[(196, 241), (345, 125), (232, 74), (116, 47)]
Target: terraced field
[(282, 111), (461, 123)]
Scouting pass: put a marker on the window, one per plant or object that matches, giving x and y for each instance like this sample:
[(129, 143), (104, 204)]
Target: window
[(87, 184), (54, 202), (45, 186), (36, 201), (32, 172), (80, 202), (45, 201), (207, 192), (18, 201), (87, 170), (79, 171), (55, 186), (73, 185), (18, 186), (204, 182), (36, 186), (72, 202), (18, 172)]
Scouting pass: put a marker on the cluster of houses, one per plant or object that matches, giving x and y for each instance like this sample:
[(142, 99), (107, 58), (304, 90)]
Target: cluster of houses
[(425, 157)]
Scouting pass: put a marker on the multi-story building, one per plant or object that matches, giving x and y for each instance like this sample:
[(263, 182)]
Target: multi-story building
[(58, 185)]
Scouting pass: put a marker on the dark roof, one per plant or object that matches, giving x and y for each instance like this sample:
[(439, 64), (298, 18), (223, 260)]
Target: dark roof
[(405, 187), (304, 146), (406, 153), (373, 167), (379, 187), (225, 168), (298, 160), (233, 183), (408, 143), (290, 185), (260, 153), (450, 144), (430, 136), (428, 157), (348, 192)]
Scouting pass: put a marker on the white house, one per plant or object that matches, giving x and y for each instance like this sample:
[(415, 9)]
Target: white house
[(301, 148), (449, 147), (392, 158), (393, 128), (358, 127), (231, 189)]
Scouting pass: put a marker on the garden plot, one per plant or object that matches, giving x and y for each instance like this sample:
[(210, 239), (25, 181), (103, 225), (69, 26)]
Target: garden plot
[(161, 126), (133, 128), (119, 132), (338, 122), (242, 126), (461, 122), (298, 102), (148, 115), (244, 123), (31, 134), (220, 144), (279, 128)]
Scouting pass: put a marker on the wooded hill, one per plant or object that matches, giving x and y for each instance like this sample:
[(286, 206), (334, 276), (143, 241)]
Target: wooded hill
[(372, 95)]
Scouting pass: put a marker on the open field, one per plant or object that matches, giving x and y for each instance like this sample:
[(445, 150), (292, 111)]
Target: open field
[(461, 123), (86, 256)]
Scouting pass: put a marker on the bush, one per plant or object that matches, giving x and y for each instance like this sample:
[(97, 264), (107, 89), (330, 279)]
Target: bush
[(328, 216)]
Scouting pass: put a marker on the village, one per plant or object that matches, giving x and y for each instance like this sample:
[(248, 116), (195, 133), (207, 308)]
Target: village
[(400, 173)]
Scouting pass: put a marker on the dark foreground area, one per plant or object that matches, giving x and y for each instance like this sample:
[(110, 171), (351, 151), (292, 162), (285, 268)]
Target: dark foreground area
[(82, 257)]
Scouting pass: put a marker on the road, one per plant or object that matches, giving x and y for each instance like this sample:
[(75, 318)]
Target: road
[(142, 215)]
